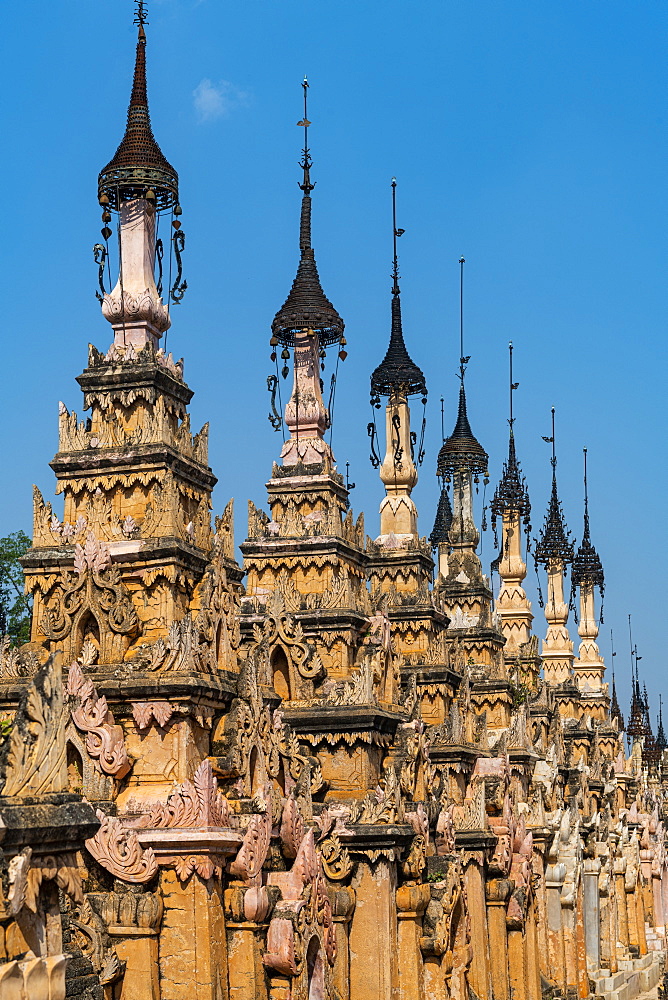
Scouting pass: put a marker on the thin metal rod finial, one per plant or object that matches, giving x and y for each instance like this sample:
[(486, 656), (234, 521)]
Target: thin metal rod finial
[(463, 361), (396, 233), (584, 452), (550, 440), (141, 13), (513, 385), (306, 161)]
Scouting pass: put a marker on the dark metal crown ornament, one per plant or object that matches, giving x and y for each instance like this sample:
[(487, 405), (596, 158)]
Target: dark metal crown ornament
[(511, 495), (615, 710), (637, 726), (651, 754), (462, 452), (587, 566), (661, 741), (442, 521), (397, 372), (138, 168), (555, 542), (307, 307)]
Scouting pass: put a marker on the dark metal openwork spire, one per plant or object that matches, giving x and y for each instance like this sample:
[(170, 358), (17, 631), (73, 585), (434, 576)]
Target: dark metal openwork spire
[(637, 727), (651, 754), (615, 710), (462, 452), (139, 168), (661, 741), (397, 372), (442, 521), (511, 495), (307, 307), (587, 566), (555, 542)]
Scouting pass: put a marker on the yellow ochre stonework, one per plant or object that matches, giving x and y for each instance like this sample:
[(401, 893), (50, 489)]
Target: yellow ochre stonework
[(338, 771)]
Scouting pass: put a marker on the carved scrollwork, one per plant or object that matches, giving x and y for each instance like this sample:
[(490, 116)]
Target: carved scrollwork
[(193, 804), (95, 589), (304, 910), (15, 662), (33, 758), (252, 726), (335, 858), (253, 851), (117, 849), (90, 714), (281, 628), (61, 869)]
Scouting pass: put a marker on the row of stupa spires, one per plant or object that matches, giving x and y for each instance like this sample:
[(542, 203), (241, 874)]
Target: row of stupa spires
[(139, 185)]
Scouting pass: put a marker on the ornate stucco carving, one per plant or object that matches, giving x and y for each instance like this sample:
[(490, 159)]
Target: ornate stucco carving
[(94, 592), (117, 849), (34, 754), (90, 714)]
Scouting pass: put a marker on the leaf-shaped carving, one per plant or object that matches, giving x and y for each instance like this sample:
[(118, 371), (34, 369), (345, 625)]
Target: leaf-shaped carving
[(193, 804), (252, 854), (34, 755), (144, 711), (104, 739), (118, 850), (335, 858)]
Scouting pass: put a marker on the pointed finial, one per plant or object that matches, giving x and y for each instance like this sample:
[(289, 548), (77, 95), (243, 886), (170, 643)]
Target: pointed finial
[(511, 494), (306, 161), (551, 440), (141, 14), (462, 360), (513, 386), (397, 372), (587, 566), (615, 711), (443, 520), (661, 741), (555, 541), (462, 452), (396, 233), (138, 167), (307, 307)]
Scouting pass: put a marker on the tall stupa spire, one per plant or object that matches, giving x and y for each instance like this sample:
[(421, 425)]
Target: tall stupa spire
[(308, 323), (587, 576), (397, 377), (138, 183), (138, 165), (511, 503), (554, 551)]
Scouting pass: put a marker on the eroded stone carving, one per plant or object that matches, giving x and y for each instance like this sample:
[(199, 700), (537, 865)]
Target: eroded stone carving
[(34, 754)]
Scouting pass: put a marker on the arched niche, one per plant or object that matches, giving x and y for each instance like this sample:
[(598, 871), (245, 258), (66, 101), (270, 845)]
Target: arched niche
[(315, 970), (87, 630), (280, 673)]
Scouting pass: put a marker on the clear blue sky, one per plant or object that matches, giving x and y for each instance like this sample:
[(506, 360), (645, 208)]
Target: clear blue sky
[(529, 137)]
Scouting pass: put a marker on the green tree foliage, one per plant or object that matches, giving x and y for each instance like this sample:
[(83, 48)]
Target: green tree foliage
[(15, 606)]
